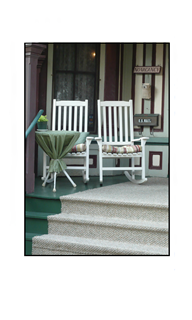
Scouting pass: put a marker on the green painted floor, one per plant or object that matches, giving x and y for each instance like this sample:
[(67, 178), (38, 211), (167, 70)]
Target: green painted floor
[(64, 187)]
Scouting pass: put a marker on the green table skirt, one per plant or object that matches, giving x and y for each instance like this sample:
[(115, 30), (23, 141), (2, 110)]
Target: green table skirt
[(56, 144)]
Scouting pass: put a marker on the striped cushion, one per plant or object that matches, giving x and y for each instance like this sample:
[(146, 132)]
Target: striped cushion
[(79, 148), (124, 149)]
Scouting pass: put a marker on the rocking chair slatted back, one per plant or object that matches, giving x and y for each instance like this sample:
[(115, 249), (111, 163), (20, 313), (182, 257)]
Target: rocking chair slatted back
[(115, 128), (115, 121), (70, 115)]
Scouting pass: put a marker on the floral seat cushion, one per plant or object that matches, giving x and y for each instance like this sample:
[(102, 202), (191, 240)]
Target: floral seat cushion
[(123, 149), (80, 143), (79, 148)]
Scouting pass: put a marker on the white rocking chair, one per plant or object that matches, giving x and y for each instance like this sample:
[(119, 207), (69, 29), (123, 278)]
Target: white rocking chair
[(72, 116), (116, 120)]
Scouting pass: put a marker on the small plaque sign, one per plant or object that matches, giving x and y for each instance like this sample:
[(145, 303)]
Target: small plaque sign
[(147, 69), (144, 120)]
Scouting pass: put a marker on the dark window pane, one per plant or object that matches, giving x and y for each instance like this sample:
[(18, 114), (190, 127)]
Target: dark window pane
[(84, 89), (65, 57), (75, 74), (86, 56), (64, 86)]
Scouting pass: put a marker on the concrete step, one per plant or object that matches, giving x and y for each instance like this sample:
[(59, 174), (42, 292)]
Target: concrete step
[(114, 209), (148, 201), (66, 245), (124, 219), (105, 228)]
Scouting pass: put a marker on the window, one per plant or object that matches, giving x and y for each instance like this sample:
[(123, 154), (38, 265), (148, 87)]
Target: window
[(76, 75)]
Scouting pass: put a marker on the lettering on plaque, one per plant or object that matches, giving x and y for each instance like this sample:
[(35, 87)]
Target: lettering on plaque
[(147, 69), (144, 120)]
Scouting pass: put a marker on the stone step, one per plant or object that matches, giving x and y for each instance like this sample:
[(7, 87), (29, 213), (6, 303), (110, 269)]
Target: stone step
[(105, 228), (66, 245), (148, 201), (123, 219), (131, 211)]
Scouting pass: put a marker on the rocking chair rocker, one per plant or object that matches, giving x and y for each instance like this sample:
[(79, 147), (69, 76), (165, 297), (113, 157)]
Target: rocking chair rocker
[(115, 124)]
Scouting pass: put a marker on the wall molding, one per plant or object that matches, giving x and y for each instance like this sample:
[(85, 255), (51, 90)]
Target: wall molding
[(151, 154)]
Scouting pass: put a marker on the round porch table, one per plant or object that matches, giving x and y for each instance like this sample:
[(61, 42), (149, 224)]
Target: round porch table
[(56, 144)]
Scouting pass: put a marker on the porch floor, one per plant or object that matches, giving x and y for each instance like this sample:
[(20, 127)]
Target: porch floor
[(154, 192), (64, 187)]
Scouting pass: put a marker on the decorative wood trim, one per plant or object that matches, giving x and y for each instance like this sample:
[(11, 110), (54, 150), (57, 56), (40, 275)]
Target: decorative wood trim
[(153, 78), (121, 79), (91, 156), (138, 165), (133, 83), (34, 49), (133, 76), (32, 54), (143, 78), (163, 91), (118, 162), (151, 154), (113, 75), (111, 71), (94, 157)]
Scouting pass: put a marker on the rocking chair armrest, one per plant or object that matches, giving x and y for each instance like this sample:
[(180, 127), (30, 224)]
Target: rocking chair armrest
[(142, 138), (98, 139), (89, 138)]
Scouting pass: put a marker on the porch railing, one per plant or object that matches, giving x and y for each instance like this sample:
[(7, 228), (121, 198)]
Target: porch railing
[(33, 123)]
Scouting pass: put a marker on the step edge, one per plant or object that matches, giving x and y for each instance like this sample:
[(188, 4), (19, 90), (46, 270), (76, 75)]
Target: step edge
[(30, 235), (36, 214), (97, 244), (106, 252), (91, 201), (38, 196), (111, 222)]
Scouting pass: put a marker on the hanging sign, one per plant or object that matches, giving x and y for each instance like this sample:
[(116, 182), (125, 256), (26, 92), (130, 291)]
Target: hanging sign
[(148, 120), (147, 69)]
